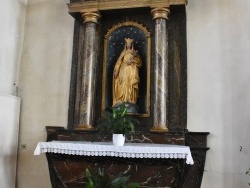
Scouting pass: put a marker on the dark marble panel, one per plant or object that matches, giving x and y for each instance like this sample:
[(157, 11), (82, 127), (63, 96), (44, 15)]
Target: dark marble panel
[(140, 136), (194, 173), (177, 78), (196, 139), (148, 172), (75, 67), (79, 69)]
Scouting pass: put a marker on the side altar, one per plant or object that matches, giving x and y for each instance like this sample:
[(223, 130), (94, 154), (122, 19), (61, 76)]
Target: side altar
[(133, 52), (68, 170)]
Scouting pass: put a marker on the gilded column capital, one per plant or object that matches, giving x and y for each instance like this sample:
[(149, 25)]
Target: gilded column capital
[(90, 15), (160, 12)]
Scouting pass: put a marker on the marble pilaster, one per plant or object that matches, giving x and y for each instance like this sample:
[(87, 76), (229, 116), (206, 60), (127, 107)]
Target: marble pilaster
[(88, 87), (160, 16)]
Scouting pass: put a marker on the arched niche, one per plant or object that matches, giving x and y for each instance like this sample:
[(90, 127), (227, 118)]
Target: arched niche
[(113, 45)]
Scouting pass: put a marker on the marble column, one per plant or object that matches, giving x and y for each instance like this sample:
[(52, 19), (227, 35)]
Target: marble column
[(88, 87), (160, 16)]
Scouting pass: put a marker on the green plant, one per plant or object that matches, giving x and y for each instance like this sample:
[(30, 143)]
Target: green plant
[(117, 121), (98, 179)]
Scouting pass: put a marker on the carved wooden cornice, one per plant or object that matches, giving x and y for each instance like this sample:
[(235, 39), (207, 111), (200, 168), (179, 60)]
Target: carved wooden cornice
[(121, 4)]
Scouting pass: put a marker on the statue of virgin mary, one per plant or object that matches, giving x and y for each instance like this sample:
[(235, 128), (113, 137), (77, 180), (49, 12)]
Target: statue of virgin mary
[(126, 77)]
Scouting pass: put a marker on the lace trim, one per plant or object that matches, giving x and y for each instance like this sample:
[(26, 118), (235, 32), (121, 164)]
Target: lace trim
[(114, 154), (130, 150)]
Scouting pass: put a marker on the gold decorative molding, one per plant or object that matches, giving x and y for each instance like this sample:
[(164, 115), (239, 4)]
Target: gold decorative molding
[(128, 23), (159, 129), (90, 15), (84, 127), (121, 4), (160, 13)]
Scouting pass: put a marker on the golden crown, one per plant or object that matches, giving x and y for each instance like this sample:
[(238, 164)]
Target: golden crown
[(128, 40)]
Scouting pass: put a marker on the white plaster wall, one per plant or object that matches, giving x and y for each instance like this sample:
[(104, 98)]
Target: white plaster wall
[(9, 126), (12, 18), (218, 87), (44, 84)]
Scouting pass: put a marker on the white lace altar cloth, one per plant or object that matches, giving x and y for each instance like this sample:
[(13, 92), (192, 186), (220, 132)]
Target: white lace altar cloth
[(129, 150)]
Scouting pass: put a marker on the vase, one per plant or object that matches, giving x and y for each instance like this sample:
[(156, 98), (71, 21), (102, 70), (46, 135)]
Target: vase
[(118, 139)]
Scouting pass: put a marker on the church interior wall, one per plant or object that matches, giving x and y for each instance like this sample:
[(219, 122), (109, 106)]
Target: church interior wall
[(218, 44)]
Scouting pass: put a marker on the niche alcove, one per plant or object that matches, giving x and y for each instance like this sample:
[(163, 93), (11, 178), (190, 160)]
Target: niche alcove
[(158, 29)]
